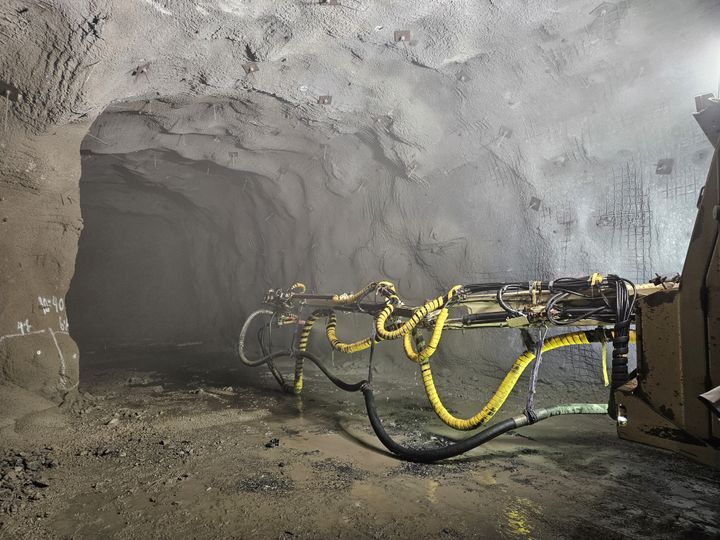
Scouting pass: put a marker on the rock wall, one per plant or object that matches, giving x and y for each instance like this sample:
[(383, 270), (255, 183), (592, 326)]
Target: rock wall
[(503, 139), (40, 222)]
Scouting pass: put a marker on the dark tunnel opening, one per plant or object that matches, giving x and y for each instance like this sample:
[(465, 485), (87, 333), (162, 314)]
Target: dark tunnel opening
[(149, 270), (174, 246)]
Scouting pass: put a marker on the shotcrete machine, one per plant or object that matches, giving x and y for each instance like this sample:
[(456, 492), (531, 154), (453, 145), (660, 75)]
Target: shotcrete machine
[(670, 400)]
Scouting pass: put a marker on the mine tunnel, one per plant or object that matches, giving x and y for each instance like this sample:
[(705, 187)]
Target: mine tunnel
[(344, 269)]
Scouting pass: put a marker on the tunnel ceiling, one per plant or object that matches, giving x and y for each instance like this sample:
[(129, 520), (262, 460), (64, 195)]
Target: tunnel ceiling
[(497, 142), (500, 140)]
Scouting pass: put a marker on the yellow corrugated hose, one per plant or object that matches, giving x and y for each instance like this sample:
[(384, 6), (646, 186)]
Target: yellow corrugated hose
[(503, 391), (298, 287), (335, 343), (418, 315), (431, 347), (302, 346)]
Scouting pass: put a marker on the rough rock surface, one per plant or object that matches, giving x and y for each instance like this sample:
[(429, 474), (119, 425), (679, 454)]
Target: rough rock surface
[(22, 477), (192, 461), (504, 139)]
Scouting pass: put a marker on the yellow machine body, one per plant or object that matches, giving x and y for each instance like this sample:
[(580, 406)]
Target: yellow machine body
[(678, 332)]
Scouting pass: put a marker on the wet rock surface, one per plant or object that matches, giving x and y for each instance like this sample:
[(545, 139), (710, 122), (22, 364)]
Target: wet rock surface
[(184, 464)]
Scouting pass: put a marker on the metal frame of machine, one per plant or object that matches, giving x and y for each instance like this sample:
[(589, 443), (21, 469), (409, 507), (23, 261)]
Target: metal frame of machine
[(669, 401), (679, 337)]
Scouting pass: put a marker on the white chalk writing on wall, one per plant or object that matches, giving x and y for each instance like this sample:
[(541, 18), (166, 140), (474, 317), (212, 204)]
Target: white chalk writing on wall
[(48, 305), (24, 327), (63, 324)]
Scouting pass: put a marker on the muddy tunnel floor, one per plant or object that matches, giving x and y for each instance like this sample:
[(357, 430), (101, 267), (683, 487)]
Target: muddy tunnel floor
[(174, 445)]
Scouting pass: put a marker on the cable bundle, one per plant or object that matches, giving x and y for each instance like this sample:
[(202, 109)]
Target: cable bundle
[(565, 301)]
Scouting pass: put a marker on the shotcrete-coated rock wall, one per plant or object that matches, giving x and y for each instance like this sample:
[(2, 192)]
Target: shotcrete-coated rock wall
[(501, 140)]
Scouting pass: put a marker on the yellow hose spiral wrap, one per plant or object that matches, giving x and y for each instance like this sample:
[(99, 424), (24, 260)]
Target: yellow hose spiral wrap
[(298, 287), (506, 386), (418, 315), (302, 346), (431, 347), (335, 343)]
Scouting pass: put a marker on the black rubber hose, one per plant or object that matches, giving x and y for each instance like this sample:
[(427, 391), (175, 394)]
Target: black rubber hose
[(625, 308), (429, 455), (241, 342), (267, 358), (348, 387), (432, 454), (501, 301)]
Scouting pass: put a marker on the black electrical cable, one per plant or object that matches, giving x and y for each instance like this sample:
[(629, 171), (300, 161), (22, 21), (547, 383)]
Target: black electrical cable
[(580, 287), (579, 314), (493, 287), (576, 286), (348, 387), (482, 287), (583, 315), (510, 287), (551, 305), (266, 351), (625, 307), (362, 297)]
